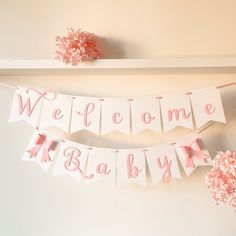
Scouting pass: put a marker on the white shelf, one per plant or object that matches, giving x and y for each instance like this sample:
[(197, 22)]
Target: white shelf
[(38, 66)]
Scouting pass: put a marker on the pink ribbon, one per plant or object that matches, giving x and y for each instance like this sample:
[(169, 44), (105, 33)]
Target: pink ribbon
[(194, 149), (39, 142)]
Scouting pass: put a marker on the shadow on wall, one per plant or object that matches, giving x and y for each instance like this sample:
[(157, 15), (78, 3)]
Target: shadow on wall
[(222, 136), (112, 48)]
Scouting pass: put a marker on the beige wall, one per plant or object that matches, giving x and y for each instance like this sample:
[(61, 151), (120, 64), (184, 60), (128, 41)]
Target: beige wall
[(131, 28), (35, 203)]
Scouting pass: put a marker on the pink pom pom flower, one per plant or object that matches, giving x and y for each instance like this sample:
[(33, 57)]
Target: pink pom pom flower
[(221, 179), (77, 46)]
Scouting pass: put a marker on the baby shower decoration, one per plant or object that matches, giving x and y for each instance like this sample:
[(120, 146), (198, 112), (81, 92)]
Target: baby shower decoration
[(129, 115), (196, 110)]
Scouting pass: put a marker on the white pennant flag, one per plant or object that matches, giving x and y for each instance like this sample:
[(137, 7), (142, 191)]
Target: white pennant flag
[(102, 165), (207, 105), (145, 114), (71, 160), (86, 114), (162, 163), (192, 152), (42, 149), (116, 115), (26, 106), (176, 111), (131, 167), (56, 112)]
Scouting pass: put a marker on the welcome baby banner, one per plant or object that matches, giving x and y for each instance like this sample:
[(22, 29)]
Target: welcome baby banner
[(163, 113), (116, 167)]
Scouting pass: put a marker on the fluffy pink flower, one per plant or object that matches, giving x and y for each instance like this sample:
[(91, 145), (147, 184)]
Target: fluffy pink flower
[(221, 179), (77, 46)]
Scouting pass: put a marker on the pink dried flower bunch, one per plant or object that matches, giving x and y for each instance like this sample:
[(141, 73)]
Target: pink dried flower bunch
[(77, 46), (221, 179)]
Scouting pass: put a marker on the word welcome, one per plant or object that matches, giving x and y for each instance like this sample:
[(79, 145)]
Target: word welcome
[(71, 113)]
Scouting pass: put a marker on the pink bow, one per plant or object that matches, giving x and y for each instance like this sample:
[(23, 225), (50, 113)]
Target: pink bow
[(49, 145), (194, 149)]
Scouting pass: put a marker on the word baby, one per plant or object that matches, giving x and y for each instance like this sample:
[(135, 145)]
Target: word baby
[(106, 165)]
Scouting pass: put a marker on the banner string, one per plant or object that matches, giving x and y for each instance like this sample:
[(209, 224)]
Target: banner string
[(226, 85), (8, 86), (205, 128), (158, 97)]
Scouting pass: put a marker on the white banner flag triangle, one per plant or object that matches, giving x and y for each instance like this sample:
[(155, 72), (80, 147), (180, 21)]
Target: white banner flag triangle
[(145, 114), (131, 167), (102, 164), (176, 111), (42, 148), (115, 115), (56, 112), (86, 112), (207, 105), (162, 163), (192, 152), (26, 105), (71, 160)]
